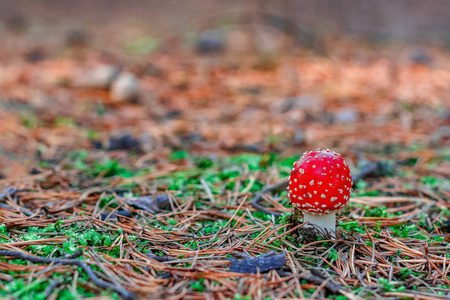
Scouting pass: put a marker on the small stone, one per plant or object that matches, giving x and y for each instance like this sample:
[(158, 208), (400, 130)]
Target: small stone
[(299, 136), (443, 113), (268, 40), (173, 114), (346, 116), (210, 41), (440, 134), (125, 88), (17, 24), (36, 54), (77, 38), (153, 70), (190, 138), (42, 100), (380, 120), (124, 142), (101, 77), (253, 148), (420, 56), (98, 145), (307, 103), (147, 142)]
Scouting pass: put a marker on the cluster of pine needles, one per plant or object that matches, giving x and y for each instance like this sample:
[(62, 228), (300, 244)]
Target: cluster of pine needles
[(85, 236)]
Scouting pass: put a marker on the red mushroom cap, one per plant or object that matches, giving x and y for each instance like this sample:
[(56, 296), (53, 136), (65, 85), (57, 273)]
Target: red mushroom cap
[(320, 182)]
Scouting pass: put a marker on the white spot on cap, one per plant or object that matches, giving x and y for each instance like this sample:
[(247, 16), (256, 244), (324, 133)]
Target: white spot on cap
[(316, 203), (333, 199), (295, 180), (323, 196), (314, 166), (319, 183), (311, 182), (301, 171), (323, 205), (340, 191)]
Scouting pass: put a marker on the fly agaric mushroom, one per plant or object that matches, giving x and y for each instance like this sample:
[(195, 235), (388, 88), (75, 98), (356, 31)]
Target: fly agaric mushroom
[(320, 185)]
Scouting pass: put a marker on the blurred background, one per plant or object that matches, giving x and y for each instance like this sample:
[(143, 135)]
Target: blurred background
[(220, 78)]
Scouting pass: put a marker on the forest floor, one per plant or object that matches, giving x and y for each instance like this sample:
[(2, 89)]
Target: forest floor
[(131, 175)]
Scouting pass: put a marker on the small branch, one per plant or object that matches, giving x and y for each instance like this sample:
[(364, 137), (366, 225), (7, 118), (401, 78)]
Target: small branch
[(164, 258), (70, 261), (255, 201), (51, 287), (207, 189), (75, 255), (331, 286), (8, 192)]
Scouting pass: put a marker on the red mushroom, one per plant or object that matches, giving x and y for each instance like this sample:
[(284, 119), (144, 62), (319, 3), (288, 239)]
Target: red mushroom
[(320, 185)]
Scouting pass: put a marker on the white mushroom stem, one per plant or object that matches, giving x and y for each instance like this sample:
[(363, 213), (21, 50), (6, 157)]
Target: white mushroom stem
[(327, 222)]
